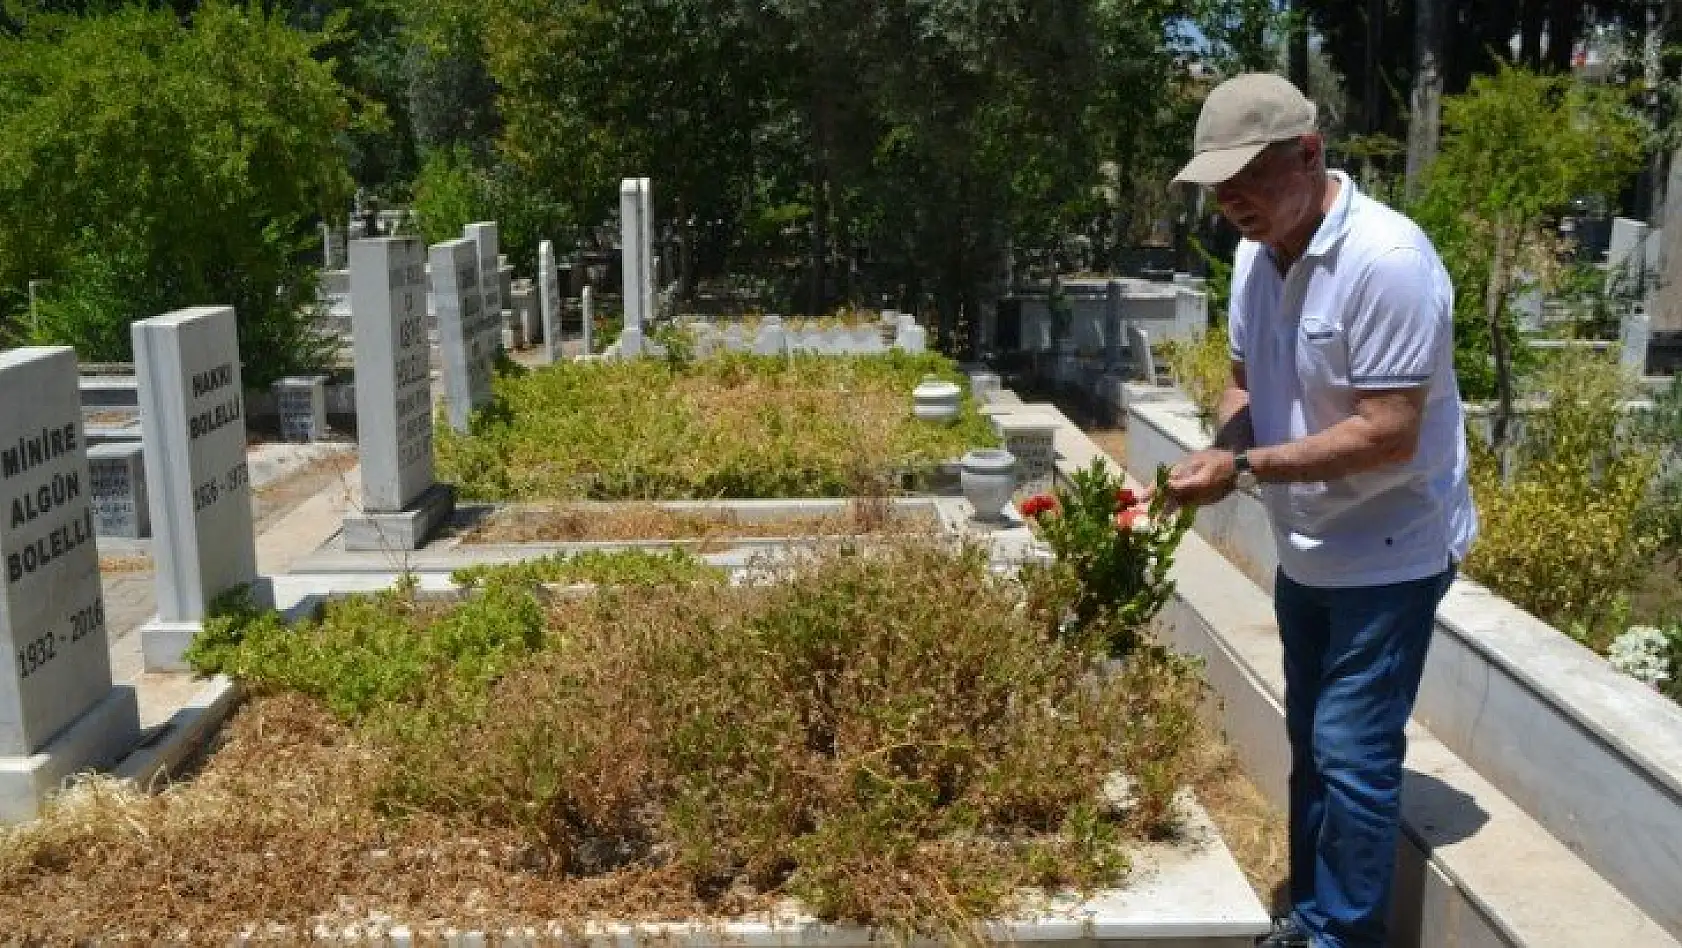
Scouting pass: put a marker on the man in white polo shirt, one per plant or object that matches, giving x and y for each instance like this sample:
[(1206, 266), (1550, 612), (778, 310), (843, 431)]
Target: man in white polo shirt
[(1344, 411)]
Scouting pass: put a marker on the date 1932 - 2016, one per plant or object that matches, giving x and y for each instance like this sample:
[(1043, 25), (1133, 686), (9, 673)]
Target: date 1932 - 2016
[(37, 652), (216, 488)]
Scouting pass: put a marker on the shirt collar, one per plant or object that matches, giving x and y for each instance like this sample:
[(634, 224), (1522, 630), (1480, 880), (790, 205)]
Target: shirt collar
[(1336, 222)]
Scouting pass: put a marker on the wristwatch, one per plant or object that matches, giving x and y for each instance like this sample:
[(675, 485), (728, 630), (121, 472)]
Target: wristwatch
[(1245, 478)]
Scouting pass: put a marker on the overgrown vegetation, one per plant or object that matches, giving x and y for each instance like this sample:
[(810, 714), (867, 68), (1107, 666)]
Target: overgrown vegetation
[(734, 425), (1202, 368), (1566, 534), (889, 735)]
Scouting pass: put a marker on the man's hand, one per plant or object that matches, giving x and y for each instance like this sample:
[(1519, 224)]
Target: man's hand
[(1204, 477)]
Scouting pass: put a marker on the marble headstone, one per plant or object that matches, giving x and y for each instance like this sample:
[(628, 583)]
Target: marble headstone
[(636, 212), (118, 475), (466, 330), (487, 245), (1031, 439), (58, 711), (301, 403), (1139, 349), (549, 297), (192, 415), (587, 313), (401, 503)]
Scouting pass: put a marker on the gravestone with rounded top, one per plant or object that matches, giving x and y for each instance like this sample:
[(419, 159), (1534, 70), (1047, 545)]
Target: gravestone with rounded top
[(192, 416), (466, 330), (402, 504), (59, 713)]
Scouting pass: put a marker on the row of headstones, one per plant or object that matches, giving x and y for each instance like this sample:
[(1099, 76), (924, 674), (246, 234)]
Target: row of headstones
[(774, 338), (59, 712)]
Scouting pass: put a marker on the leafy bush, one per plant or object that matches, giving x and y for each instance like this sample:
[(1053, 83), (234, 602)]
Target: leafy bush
[(1112, 555), (732, 426), (1564, 535), (125, 220), (1203, 369)]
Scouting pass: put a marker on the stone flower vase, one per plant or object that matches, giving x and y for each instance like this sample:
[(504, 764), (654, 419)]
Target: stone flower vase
[(934, 400), (988, 476)]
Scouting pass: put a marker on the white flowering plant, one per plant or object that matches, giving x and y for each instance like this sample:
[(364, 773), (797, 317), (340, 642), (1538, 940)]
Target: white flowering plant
[(1113, 549), (1651, 655)]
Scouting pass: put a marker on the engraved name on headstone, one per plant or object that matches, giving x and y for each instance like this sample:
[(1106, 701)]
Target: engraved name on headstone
[(118, 473), (192, 413), (56, 677)]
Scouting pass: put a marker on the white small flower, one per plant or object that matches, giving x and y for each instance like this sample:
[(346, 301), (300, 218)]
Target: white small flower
[(1142, 524), (1643, 653)]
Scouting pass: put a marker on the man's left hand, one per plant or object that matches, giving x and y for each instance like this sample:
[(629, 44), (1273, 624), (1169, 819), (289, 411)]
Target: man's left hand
[(1204, 477)]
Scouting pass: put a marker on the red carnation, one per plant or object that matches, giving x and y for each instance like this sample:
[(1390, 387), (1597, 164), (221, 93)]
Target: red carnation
[(1038, 504), (1124, 519), (1125, 498)]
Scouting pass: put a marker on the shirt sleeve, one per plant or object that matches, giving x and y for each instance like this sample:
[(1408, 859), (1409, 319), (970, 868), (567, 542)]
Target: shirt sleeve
[(1235, 318), (1399, 320)]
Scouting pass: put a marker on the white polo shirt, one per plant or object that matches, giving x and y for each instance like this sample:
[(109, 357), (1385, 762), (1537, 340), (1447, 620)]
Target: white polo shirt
[(1369, 306)]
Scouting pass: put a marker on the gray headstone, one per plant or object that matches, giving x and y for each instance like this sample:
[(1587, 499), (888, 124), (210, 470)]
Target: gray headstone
[(58, 711), (772, 339), (301, 403), (1032, 440), (468, 334), (393, 377), (911, 336), (486, 243), (1112, 323), (117, 473), (192, 413), (1626, 256), (1139, 348), (636, 216), (1634, 333), (733, 340), (549, 299)]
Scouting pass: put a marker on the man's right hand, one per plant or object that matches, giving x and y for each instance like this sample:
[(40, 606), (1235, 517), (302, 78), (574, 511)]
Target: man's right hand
[(1203, 477)]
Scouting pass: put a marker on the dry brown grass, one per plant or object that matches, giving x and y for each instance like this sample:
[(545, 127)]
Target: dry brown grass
[(627, 522), (124, 564), (1252, 828)]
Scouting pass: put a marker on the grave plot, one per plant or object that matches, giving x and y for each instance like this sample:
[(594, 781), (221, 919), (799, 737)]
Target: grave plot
[(866, 743)]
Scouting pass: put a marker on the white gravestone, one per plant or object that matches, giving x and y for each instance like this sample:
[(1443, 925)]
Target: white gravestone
[(58, 711), (401, 503), (1031, 440), (772, 339), (301, 403), (636, 212), (465, 330), (192, 416), (587, 314), (118, 475), (1112, 324), (733, 340), (487, 245), (1634, 335), (911, 336), (549, 295)]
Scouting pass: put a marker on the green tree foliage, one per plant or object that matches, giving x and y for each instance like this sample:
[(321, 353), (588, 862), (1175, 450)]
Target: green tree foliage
[(147, 165), (1515, 146)]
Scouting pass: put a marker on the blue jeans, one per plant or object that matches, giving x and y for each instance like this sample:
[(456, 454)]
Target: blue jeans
[(1353, 659)]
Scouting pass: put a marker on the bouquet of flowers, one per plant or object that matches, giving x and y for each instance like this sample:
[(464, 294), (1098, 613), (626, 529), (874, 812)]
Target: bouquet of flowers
[(1112, 551)]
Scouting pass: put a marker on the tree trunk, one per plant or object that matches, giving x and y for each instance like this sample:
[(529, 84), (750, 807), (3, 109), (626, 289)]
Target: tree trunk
[(1297, 53), (1530, 33), (1494, 302), (1424, 123), (1565, 19), (1373, 100)]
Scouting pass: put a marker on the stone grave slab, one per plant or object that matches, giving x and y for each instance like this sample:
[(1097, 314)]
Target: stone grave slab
[(192, 410), (636, 219), (402, 504), (487, 245), (1031, 439), (58, 710), (549, 300), (587, 316)]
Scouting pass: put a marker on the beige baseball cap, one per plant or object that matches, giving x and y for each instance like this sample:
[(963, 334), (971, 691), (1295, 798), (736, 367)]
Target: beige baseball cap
[(1240, 117)]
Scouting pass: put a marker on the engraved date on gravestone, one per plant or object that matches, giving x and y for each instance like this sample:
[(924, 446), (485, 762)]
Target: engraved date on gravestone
[(37, 652), (208, 493)]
